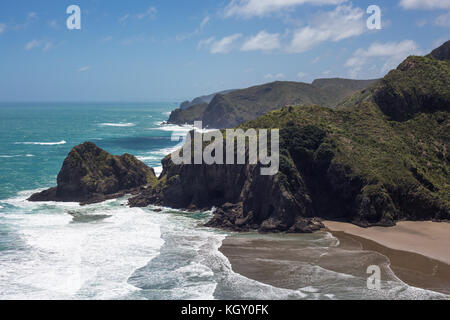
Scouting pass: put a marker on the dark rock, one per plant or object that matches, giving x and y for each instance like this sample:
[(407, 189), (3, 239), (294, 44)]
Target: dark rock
[(379, 158), (90, 175)]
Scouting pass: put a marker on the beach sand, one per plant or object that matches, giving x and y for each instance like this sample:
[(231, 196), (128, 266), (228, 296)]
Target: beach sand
[(408, 252), (431, 239)]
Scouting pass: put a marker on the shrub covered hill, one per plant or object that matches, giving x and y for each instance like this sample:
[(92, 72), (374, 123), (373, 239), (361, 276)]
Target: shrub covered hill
[(232, 108), (381, 156)]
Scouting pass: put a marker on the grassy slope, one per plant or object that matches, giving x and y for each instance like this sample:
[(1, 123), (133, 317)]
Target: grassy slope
[(393, 157), (231, 109)]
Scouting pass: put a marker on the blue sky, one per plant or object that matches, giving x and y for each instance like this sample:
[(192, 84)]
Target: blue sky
[(170, 50)]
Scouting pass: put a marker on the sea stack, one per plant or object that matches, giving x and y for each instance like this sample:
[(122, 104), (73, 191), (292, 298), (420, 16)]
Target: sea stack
[(90, 175)]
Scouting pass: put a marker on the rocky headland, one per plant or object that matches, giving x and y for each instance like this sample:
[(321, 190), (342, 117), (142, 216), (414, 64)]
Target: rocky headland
[(232, 108), (379, 157), (90, 174)]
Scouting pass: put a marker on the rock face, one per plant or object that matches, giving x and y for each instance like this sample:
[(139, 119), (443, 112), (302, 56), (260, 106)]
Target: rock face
[(246, 199), (380, 157), (201, 100), (188, 115), (90, 174), (443, 52), (230, 109)]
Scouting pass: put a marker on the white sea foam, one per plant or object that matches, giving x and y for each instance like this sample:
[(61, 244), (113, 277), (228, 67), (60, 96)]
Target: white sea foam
[(43, 143), (17, 156), (158, 170), (112, 258), (117, 124), (149, 158), (66, 260), (179, 128)]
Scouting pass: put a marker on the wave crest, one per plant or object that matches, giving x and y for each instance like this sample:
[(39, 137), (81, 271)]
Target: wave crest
[(43, 143), (130, 124)]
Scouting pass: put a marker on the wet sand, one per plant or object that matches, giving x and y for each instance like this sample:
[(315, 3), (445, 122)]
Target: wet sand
[(431, 239), (282, 262)]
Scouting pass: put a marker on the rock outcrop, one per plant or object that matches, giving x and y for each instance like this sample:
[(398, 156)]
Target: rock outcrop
[(201, 100), (90, 174), (380, 157), (245, 199)]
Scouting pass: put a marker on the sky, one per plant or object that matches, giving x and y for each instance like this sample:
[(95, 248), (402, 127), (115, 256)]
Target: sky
[(145, 51)]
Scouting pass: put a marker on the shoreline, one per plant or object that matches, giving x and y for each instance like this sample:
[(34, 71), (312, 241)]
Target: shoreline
[(277, 260), (429, 239), (414, 269)]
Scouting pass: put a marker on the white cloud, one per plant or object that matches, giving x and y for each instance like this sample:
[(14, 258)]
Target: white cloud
[(2, 28), (47, 46), (443, 20), (33, 44), (106, 39), (32, 15), (149, 13), (390, 53), (124, 18), (204, 22), (277, 76), (202, 25), (205, 43), (260, 8), (84, 69), (425, 4), (262, 41), (224, 45), (342, 23), (53, 24), (42, 44), (301, 75)]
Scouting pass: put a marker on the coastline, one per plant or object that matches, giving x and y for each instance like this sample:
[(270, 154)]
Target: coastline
[(281, 263), (430, 239)]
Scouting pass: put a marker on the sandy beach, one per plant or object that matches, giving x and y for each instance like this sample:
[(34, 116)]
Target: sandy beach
[(412, 252), (431, 239)]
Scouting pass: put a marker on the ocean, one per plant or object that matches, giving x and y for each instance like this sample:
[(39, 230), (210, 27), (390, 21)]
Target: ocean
[(109, 251)]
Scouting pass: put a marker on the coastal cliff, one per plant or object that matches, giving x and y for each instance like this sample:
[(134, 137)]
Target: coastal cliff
[(90, 174), (230, 109), (380, 157)]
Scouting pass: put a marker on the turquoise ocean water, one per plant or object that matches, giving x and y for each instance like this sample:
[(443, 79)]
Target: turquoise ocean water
[(110, 251)]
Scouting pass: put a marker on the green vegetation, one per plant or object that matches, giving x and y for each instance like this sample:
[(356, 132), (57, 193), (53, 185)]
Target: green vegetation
[(380, 156), (233, 108), (397, 156)]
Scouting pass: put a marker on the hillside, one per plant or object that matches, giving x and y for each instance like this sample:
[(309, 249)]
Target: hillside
[(188, 115), (201, 100), (380, 157), (233, 108)]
